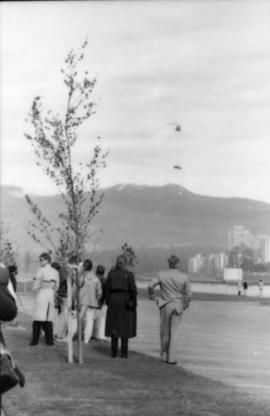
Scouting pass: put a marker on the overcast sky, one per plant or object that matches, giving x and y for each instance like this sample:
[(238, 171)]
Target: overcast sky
[(204, 64)]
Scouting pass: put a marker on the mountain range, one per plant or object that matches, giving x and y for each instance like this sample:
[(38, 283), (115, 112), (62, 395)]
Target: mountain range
[(146, 216)]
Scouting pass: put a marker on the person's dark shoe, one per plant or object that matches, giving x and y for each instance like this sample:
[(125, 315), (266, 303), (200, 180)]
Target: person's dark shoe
[(49, 343), (124, 355), (33, 343), (172, 362), (113, 354)]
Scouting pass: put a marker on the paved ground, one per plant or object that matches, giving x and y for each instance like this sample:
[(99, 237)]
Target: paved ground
[(224, 340)]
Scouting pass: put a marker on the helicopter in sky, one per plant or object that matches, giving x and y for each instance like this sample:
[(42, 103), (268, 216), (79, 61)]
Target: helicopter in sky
[(177, 167), (177, 126)]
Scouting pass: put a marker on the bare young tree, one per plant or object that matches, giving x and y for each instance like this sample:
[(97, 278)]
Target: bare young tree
[(53, 139), (130, 255)]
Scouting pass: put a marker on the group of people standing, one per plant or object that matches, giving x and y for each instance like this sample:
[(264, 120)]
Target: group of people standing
[(51, 304), (107, 306), (109, 301), (242, 288)]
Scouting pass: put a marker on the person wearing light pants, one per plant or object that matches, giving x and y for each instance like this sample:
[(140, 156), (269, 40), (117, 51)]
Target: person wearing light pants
[(175, 295), (90, 294), (99, 325), (89, 319)]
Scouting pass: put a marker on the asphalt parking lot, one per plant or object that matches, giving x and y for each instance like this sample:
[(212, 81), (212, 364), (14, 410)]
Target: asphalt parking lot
[(224, 340)]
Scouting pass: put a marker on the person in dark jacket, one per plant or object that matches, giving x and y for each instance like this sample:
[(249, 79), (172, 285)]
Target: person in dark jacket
[(61, 319), (121, 298), (245, 287), (8, 308), (8, 311)]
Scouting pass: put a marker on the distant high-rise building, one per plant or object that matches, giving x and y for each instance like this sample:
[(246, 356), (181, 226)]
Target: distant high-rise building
[(264, 249), (213, 265), (210, 268), (221, 261), (195, 264), (239, 236)]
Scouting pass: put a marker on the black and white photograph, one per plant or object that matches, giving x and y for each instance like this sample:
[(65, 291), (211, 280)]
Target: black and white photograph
[(135, 208)]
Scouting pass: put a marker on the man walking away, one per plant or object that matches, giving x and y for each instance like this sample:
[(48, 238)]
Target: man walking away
[(175, 295)]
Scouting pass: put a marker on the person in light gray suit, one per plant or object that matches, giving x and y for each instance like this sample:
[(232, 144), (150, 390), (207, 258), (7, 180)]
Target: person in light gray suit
[(175, 295)]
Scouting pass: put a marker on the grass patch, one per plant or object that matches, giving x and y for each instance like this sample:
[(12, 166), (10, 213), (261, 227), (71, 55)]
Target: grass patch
[(141, 385)]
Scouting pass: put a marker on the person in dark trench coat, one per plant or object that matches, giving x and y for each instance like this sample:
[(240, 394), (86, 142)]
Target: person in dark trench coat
[(8, 308), (121, 298)]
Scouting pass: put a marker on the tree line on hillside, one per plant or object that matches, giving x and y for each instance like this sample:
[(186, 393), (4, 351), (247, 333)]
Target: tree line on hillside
[(147, 260), (247, 259)]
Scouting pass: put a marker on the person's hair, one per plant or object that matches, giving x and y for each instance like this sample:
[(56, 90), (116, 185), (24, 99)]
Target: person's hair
[(74, 259), (173, 260), (100, 270), (56, 266), (45, 256), (121, 259), (87, 265), (12, 268)]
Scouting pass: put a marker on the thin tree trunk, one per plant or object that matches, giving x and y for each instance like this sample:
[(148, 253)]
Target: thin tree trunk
[(79, 321), (71, 191), (69, 306)]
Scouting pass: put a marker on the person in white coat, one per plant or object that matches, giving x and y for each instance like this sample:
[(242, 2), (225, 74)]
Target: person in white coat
[(175, 295), (45, 286)]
